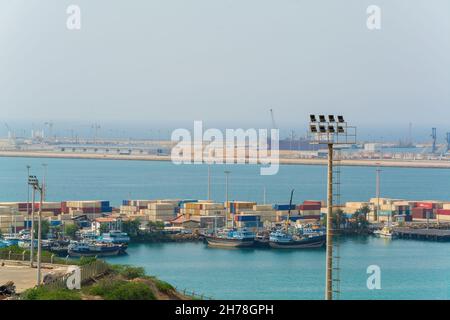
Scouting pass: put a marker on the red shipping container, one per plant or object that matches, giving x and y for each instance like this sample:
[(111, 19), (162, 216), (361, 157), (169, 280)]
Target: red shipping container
[(309, 207), (418, 213), (425, 205), (319, 203), (444, 212)]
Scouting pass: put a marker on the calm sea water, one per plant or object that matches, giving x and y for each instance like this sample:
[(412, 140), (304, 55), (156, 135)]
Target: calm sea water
[(116, 180), (409, 269)]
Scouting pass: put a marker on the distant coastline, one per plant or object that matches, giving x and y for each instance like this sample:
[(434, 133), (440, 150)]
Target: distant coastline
[(431, 164)]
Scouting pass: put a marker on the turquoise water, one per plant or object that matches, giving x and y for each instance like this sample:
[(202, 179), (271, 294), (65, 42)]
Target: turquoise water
[(409, 269), (117, 180)]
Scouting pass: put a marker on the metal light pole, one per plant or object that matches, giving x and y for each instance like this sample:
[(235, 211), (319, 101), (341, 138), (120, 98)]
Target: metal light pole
[(33, 197), (44, 183), (34, 182), (209, 182), (264, 195), (330, 132), (329, 238), (28, 195), (378, 192), (226, 194), (39, 236)]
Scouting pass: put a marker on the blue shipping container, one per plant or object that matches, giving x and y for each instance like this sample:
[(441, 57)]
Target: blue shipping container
[(247, 218), (283, 207)]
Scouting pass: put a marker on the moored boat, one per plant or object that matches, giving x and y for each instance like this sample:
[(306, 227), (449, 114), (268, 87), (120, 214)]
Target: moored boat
[(385, 232), (283, 240), (115, 237), (91, 249), (231, 238)]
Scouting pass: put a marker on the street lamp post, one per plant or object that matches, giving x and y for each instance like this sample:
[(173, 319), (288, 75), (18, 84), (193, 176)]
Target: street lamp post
[(227, 173), (28, 195), (33, 197), (44, 182), (209, 182), (331, 131), (34, 182)]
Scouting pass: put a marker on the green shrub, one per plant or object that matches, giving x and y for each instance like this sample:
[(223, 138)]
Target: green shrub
[(129, 272), (122, 290), (103, 287), (45, 293), (131, 291), (161, 285), (86, 260)]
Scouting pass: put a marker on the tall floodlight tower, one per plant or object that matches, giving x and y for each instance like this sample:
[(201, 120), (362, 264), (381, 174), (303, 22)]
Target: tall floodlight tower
[(434, 137), (332, 131)]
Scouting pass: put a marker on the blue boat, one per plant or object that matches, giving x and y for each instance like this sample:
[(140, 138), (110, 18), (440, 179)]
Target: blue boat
[(3, 244), (12, 239), (231, 238)]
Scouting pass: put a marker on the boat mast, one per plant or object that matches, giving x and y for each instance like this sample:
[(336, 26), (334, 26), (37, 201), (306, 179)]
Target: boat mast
[(289, 210)]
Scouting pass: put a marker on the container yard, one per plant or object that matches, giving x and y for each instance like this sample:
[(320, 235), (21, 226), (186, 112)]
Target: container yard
[(195, 214)]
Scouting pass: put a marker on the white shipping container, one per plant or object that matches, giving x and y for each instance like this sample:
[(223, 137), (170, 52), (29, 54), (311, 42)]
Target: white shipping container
[(262, 207)]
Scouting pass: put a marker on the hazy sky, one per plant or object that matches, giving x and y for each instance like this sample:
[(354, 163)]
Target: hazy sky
[(165, 63)]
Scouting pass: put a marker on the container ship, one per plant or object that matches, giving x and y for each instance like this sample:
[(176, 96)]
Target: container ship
[(231, 238)]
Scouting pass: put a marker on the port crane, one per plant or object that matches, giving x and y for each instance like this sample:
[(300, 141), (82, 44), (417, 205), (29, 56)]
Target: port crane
[(288, 218), (434, 137), (272, 117), (11, 134), (50, 128), (447, 139)]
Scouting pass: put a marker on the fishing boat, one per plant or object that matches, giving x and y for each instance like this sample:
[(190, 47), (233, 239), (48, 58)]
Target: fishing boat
[(92, 249), (262, 240), (385, 232), (282, 239), (12, 239), (231, 238), (297, 238), (3, 244), (115, 237)]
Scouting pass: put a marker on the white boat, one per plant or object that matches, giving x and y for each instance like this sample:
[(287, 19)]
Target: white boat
[(386, 232)]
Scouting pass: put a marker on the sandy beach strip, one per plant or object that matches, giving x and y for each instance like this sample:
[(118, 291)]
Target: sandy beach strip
[(442, 164)]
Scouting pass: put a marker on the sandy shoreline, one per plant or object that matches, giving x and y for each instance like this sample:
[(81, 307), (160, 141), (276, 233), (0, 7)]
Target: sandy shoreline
[(361, 163)]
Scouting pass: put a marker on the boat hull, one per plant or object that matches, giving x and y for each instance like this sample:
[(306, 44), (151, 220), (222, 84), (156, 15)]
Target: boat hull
[(74, 253), (315, 242), (229, 243)]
